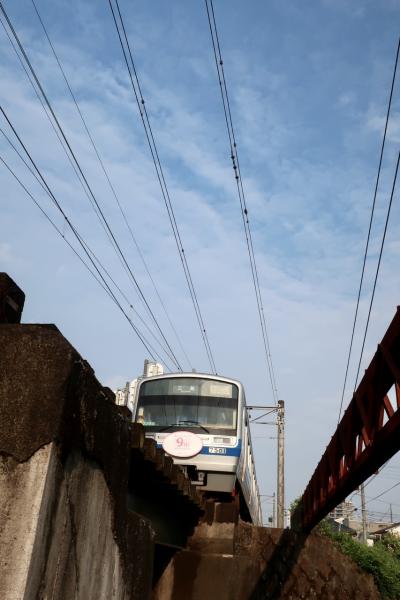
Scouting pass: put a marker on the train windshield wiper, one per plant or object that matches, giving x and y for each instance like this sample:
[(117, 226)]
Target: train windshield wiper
[(169, 426), (195, 423)]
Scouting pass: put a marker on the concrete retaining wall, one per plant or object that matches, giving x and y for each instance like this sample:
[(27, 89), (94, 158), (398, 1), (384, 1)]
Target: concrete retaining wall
[(264, 564), (65, 530)]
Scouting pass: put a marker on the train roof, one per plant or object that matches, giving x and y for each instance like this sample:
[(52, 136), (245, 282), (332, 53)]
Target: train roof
[(193, 375)]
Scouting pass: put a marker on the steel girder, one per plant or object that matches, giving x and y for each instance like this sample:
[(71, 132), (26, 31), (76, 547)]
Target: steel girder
[(366, 437)]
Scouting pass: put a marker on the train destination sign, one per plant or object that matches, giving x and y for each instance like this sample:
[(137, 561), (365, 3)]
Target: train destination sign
[(182, 444)]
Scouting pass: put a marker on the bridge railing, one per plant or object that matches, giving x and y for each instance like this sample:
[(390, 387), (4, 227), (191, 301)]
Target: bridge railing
[(366, 437)]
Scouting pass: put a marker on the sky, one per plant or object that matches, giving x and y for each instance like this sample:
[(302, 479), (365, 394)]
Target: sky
[(309, 85)]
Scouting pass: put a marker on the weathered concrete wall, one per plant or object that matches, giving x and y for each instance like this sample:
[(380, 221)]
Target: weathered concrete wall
[(58, 540), (194, 576), (21, 492), (296, 566), (265, 564), (65, 530)]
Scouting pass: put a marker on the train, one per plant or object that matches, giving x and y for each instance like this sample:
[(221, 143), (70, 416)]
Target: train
[(201, 421)]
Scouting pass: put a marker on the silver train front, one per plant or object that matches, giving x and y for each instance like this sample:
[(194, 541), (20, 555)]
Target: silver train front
[(225, 463)]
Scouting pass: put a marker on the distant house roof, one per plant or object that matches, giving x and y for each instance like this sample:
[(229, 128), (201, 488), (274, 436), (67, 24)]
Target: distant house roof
[(337, 526), (388, 528)]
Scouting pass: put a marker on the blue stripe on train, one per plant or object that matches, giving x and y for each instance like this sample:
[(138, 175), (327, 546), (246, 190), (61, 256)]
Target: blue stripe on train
[(229, 451)]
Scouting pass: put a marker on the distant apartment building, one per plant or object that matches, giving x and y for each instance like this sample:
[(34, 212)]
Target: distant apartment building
[(344, 510)]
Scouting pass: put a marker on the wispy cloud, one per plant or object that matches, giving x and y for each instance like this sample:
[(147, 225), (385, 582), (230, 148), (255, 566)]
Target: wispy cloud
[(308, 103)]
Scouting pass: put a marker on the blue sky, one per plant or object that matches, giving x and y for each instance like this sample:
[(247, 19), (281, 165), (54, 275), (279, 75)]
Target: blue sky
[(309, 85)]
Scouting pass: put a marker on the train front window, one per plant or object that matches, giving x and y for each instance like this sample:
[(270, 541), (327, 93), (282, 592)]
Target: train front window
[(200, 405)]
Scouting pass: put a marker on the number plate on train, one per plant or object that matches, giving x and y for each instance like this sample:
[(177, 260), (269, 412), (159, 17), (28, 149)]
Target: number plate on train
[(217, 450)]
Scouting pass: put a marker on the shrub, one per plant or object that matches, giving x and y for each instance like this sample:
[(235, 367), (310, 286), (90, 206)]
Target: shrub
[(382, 560)]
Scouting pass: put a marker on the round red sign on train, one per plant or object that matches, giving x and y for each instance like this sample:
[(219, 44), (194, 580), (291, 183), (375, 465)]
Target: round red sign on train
[(182, 444)]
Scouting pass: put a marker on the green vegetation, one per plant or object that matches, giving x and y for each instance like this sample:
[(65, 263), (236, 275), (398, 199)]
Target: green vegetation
[(382, 560)]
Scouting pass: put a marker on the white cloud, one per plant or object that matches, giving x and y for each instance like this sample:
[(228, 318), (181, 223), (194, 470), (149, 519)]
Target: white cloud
[(376, 123), (346, 98), (308, 177), (7, 256)]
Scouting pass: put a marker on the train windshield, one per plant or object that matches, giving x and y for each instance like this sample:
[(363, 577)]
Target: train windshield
[(200, 405)]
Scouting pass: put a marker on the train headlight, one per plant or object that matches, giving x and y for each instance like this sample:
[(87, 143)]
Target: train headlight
[(222, 440)]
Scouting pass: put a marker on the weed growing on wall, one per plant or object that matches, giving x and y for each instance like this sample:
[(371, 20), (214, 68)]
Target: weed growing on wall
[(382, 560)]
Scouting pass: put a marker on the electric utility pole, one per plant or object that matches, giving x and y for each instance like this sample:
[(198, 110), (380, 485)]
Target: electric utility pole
[(363, 515), (281, 465), (280, 483), (273, 511)]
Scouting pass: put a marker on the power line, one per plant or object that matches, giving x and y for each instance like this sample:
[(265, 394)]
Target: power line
[(76, 173), (47, 190), (133, 76), (377, 268), (369, 230), (40, 178), (110, 184), (371, 479), (62, 143), (160, 176), (53, 224), (61, 140), (384, 492), (381, 513), (112, 237), (100, 279), (377, 498), (384, 502), (240, 189)]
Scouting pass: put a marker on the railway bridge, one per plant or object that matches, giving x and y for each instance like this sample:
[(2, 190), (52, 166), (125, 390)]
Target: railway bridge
[(90, 509)]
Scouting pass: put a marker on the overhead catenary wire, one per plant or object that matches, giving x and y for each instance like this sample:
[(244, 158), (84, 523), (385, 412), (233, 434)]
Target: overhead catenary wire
[(39, 177), (92, 257), (219, 63), (75, 170), (134, 80), (120, 254), (60, 138), (53, 224), (384, 501), (56, 132), (377, 268), (48, 191), (80, 175), (369, 230), (377, 499), (373, 477), (383, 493), (381, 513), (99, 277), (110, 184), (76, 173), (160, 176)]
